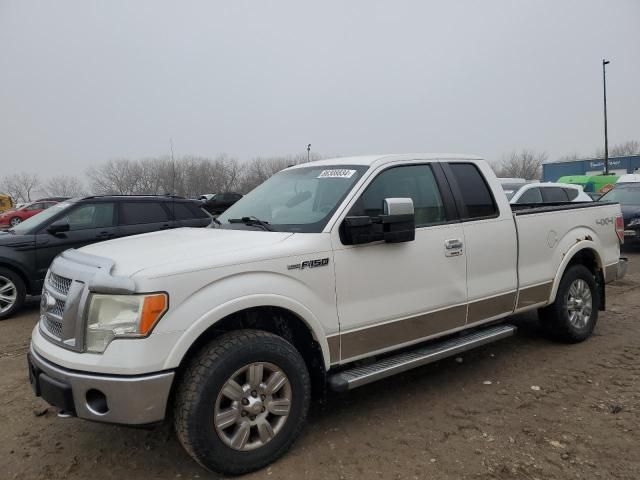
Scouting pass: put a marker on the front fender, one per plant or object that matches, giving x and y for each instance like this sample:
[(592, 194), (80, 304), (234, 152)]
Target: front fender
[(248, 301)]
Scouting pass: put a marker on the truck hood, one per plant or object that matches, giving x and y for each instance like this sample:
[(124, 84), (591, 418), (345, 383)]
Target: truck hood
[(209, 246)]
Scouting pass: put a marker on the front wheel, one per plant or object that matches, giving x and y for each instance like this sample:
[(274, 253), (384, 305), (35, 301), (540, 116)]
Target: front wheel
[(573, 315), (242, 401), (15, 221)]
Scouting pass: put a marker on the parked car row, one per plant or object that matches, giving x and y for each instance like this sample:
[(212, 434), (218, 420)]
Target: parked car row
[(28, 248)]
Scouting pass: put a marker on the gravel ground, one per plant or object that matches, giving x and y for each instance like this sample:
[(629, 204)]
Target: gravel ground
[(523, 408)]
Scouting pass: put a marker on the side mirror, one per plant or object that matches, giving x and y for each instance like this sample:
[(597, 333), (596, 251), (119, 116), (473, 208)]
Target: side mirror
[(58, 227), (397, 224)]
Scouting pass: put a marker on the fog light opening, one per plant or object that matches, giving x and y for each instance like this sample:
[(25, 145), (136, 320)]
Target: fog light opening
[(97, 402)]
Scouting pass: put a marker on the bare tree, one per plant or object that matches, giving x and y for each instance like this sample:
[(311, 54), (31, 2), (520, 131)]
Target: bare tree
[(523, 164), (64, 186), (21, 186), (631, 147), (116, 177)]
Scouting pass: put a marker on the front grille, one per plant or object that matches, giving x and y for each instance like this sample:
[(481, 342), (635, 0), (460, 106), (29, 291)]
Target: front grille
[(59, 284), (53, 326)]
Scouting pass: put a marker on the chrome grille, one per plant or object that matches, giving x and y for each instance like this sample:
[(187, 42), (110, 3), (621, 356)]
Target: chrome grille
[(52, 319), (53, 326), (59, 283)]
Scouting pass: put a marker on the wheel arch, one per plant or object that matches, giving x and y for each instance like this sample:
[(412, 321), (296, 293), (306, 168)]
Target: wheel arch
[(292, 322), (584, 253)]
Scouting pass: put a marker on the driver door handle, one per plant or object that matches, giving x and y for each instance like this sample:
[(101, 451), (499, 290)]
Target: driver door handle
[(453, 247)]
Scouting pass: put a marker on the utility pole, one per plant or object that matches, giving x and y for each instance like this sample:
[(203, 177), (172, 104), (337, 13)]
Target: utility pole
[(606, 138), (308, 152)]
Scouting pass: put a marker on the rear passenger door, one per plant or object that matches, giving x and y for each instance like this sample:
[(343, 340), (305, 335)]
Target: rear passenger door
[(491, 244), (142, 216)]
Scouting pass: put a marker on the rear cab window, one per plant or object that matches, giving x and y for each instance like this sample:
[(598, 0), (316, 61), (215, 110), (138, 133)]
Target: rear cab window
[(474, 197)]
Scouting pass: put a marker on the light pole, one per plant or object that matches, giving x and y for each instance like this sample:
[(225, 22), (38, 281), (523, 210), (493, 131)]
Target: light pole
[(308, 152), (606, 139)]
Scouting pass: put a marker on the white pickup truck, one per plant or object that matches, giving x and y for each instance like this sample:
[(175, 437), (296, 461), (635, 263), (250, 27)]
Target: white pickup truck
[(331, 274)]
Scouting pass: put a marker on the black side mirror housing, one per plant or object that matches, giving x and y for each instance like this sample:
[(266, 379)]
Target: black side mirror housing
[(395, 226), (58, 227)]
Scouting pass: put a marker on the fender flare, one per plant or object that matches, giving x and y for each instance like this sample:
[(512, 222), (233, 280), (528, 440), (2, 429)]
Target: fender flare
[(568, 256), (202, 324)]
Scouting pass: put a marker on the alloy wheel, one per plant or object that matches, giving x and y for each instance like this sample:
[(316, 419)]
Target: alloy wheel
[(8, 294), (579, 303), (252, 406)]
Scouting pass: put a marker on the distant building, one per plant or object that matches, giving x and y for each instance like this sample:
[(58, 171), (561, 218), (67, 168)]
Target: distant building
[(592, 166)]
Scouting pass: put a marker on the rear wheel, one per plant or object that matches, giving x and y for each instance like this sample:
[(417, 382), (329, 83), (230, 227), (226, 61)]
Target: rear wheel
[(573, 315), (12, 292), (242, 401)]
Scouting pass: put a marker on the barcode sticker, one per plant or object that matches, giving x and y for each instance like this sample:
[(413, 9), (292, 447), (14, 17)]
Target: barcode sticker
[(337, 173)]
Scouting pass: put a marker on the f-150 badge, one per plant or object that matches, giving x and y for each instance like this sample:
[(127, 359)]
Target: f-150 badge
[(319, 262)]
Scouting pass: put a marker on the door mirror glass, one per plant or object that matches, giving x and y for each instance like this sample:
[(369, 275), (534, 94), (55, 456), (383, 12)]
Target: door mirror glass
[(58, 227), (397, 224)]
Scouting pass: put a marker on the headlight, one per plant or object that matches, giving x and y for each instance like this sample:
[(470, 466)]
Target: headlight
[(634, 223), (122, 316)]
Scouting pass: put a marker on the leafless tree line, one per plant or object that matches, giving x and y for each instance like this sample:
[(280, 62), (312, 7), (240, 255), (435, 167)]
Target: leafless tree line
[(528, 163), (190, 176)]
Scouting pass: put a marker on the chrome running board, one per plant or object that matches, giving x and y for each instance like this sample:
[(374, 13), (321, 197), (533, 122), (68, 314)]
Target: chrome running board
[(432, 352)]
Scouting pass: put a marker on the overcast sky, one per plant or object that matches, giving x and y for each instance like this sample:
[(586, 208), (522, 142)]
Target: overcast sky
[(84, 81)]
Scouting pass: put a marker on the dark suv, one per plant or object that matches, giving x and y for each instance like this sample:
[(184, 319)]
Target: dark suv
[(27, 250), (220, 202)]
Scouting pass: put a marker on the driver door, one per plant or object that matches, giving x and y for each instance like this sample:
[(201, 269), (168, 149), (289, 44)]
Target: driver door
[(88, 223), (393, 294)]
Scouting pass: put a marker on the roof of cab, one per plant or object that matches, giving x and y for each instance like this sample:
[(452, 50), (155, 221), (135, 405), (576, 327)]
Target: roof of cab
[(370, 160)]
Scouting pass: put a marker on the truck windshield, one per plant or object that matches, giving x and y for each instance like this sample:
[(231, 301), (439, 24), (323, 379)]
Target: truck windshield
[(37, 221), (295, 200)]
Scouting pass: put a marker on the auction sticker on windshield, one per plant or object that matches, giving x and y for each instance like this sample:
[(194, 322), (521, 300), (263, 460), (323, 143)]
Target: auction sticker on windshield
[(337, 173)]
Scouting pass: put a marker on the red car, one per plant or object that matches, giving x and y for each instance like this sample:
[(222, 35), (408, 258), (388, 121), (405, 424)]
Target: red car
[(13, 217)]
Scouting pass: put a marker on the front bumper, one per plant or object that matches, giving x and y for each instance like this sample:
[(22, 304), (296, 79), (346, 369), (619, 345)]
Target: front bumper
[(130, 400)]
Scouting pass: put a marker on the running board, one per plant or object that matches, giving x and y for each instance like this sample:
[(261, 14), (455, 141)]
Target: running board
[(358, 376)]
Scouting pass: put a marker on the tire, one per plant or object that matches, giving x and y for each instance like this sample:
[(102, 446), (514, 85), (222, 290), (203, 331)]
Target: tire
[(12, 292), (200, 399), (557, 319), (15, 221)]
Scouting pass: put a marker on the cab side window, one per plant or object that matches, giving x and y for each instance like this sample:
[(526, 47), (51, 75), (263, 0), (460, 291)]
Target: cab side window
[(412, 181)]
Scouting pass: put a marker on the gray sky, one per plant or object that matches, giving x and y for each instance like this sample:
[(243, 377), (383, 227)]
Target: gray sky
[(84, 81)]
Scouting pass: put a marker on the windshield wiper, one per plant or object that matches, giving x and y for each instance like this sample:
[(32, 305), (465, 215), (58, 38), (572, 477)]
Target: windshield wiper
[(253, 222)]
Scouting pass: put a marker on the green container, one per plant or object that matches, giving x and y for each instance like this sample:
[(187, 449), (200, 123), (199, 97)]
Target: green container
[(591, 183)]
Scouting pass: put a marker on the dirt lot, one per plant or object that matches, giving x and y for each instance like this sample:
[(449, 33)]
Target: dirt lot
[(522, 408)]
